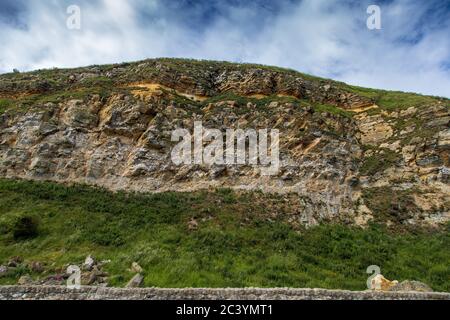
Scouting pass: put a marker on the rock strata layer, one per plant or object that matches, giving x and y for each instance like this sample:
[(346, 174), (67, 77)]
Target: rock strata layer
[(345, 156)]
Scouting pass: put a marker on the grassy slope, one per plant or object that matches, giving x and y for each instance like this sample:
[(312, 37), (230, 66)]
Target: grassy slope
[(231, 248), (236, 245)]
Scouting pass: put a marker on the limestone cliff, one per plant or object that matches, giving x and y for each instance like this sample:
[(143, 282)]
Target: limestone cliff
[(347, 153)]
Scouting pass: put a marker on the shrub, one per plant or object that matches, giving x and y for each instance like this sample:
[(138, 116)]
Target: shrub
[(379, 162), (25, 227)]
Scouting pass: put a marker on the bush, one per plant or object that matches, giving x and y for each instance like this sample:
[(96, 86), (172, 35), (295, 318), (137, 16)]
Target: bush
[(25, 227), (379, 162)]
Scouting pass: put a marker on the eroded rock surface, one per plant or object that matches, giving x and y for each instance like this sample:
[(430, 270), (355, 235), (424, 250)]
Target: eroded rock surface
[(344, 156)]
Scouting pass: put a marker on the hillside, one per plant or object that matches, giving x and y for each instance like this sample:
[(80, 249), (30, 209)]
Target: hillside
[(236, 241), (86, 154)]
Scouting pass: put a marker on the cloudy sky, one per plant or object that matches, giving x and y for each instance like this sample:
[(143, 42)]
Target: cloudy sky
[(327, 38)]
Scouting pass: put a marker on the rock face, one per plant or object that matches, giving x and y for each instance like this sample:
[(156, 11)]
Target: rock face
[(342, 155)]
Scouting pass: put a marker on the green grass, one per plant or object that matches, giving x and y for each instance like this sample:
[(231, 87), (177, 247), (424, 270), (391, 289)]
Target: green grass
[(60, 96), (234, 245), (102, 82), (400, 100), (229, 96), (262, 103), (5, 104), (332, 109), (394, 100), (37, 100), (379, 162)]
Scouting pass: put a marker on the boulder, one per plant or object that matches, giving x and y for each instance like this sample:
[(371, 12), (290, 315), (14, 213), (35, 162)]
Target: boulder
[(135, 267), (25, 280), (380, 283), (3, 270), (136, 281), (193, 224), (409, 285), (88, 278), (89, 263), (94, 276)]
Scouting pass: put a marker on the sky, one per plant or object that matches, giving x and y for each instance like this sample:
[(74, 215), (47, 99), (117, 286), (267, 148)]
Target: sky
[(327, 38)]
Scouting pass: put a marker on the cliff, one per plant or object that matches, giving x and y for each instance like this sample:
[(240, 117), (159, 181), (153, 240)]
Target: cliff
[(346, 153)]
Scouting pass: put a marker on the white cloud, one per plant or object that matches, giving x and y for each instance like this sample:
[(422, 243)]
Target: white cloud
[(325, 38)]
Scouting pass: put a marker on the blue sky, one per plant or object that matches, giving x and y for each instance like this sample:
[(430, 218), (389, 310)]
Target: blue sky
[(328, 38)]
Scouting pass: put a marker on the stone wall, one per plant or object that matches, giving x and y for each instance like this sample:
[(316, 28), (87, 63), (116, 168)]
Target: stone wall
[(98, 293)]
